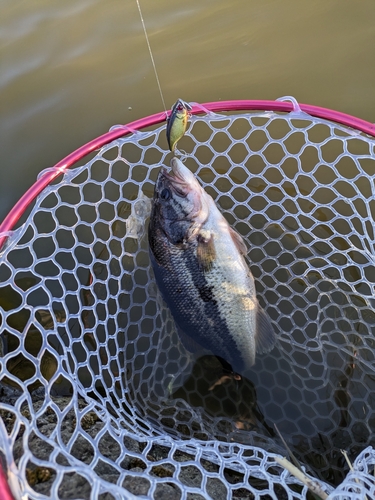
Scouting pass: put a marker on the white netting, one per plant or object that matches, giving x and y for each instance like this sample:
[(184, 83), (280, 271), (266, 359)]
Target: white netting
[(99, 399)]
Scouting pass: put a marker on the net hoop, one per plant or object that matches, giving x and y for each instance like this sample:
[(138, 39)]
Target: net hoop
[(285, 104), (6, 494)]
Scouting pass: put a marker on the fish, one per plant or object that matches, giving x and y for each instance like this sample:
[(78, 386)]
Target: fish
[(199, 267), (177, 122)]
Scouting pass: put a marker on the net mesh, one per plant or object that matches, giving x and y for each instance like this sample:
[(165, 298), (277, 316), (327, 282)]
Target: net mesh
[(99, 398)]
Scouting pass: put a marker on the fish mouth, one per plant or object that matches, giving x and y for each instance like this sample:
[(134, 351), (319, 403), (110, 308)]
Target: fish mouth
[(177, 182), (180, 171), (184, 184), (173, 174)]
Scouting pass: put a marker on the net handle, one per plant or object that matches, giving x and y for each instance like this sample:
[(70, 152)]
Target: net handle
[(241, 105)]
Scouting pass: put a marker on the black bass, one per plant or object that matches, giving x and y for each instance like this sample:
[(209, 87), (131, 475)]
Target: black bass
[(199, 266)]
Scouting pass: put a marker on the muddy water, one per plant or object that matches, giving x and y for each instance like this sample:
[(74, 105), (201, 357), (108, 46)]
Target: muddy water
[(70, 70)]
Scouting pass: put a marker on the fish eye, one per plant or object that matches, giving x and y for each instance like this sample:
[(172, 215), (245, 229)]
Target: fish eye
[(165, 194)]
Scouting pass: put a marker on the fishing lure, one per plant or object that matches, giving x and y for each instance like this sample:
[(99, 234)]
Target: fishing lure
[(177, 122)]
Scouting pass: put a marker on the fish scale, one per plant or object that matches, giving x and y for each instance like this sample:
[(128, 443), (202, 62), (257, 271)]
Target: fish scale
[(182, 285)]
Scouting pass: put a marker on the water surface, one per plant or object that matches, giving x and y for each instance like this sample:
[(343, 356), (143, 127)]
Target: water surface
[(70, 70)]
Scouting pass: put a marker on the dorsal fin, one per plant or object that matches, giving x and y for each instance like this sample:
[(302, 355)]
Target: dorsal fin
[(238, 241), (265, 337)]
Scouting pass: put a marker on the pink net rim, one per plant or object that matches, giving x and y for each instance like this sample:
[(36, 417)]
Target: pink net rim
[(241, 105), (6, 493)]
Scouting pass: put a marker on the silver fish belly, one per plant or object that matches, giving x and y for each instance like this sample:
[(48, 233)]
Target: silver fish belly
[(200, 270)]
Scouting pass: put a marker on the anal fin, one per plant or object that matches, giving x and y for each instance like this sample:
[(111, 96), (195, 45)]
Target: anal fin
[(188, 342), (265, 337)]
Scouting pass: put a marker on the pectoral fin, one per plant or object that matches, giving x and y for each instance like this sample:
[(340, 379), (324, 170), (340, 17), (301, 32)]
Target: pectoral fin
[(238, 241), (265, 335), (206, 253)]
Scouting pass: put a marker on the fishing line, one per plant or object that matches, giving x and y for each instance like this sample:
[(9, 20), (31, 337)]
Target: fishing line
[(152, 57)]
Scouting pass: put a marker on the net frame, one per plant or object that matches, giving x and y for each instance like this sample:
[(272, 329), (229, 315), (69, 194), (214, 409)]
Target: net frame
[(49, 175)]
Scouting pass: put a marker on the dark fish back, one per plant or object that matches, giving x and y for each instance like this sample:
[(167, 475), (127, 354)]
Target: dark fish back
[(191, 299)]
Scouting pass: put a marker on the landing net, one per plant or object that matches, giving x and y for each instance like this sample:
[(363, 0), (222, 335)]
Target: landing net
[(99, 399)]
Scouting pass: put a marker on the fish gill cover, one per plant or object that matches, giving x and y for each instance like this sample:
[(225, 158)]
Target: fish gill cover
[(99, 396)]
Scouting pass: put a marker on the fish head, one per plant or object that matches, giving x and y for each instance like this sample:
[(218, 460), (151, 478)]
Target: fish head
[(180, 203)]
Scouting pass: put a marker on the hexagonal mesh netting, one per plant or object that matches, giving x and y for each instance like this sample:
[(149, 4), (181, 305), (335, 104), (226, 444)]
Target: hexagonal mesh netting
[(99, 397)]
